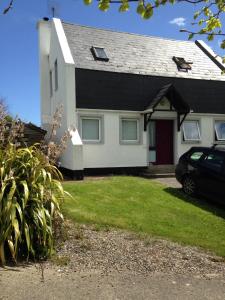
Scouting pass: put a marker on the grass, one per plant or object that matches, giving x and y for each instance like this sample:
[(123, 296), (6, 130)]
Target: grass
[(147, 207)]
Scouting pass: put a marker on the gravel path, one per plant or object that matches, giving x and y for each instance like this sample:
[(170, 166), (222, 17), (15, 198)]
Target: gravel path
[(114, 264), (88, 249)]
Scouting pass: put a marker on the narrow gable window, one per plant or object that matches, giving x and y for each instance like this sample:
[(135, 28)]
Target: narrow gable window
[(182, 64), (220, 130), (191, 131), (51, 87), (99, 53), (56, 75)]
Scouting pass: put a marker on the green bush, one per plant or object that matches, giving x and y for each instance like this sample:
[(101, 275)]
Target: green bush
[(30, 196)]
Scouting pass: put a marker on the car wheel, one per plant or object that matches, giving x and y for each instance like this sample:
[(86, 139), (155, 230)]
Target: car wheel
[(189, 186)]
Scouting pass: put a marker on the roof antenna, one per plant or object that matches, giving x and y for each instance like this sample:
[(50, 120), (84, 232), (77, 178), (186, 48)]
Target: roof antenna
[(53, 8), (53, 11)]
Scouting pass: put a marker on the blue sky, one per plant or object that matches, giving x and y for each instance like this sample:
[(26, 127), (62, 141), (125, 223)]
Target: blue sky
[(19, 66)]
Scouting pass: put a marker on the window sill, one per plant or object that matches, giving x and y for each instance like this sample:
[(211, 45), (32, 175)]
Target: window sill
[(219, 142), (130, 143), (191, 142), (92, 142)]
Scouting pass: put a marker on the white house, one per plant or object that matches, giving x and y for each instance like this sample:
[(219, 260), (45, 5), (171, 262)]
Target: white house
[(134, 100)]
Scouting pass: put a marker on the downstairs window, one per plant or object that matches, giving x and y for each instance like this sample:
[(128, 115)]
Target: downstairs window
[(220, 130), (191, 131), (129, 130), (91, 129)]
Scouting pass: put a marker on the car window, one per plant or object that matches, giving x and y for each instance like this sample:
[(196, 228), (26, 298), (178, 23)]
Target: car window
[(214, 161), (195, 156)]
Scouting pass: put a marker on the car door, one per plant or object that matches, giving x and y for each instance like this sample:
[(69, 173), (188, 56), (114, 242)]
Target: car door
[(211, 175)]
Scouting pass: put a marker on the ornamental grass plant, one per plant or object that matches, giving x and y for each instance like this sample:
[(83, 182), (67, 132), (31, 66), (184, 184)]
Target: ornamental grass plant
[(30, 195)]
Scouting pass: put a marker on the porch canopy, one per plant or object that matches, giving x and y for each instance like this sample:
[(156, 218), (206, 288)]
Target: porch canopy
[(176, 101)]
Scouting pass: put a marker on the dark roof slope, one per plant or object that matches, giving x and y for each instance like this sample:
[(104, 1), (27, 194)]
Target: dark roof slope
[(113, 91), (138, 54)]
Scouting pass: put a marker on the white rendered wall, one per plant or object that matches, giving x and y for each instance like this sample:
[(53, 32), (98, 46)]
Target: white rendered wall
[(51, 33), (111, 153), (44, 33)]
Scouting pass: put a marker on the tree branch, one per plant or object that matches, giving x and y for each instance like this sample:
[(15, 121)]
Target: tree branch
[(7, 9)]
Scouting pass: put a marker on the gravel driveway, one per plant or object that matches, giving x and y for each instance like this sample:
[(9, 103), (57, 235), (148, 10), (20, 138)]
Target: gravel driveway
[(114, 264)]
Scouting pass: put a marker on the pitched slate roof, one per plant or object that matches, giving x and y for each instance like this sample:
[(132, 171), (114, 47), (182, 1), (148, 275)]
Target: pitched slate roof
[(138, 54)]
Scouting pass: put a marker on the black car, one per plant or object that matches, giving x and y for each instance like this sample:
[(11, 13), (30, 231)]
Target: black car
[(201, 170)]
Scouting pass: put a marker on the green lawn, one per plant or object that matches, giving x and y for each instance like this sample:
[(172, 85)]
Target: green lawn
[(144, 206)]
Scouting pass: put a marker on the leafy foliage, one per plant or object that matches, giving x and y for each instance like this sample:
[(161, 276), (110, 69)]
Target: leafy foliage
[(29, 199), (207, 17), (30, 195)]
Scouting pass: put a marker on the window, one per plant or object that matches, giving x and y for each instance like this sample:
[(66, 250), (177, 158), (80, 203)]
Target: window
[(191, 131), (99, 53), (214, 161), (51, 87), (56, 75), (152, 141), (220, 130), (195, 156), (91, 129), (129, 130), (182, 64)]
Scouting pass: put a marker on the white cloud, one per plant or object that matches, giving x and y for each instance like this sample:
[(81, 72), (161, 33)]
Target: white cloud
[(178, 21)]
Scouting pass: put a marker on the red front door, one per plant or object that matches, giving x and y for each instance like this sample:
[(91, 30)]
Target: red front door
[(161, 142)]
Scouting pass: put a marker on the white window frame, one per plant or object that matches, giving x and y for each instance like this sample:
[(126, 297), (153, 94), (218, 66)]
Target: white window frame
[(130, 142), (185, 139), (100, 129), (216, 133)]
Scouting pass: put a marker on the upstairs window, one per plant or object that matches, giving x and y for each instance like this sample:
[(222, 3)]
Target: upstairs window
[(191, 131), (51, 86), (56, 75), (220, 130), (99, 53), (182, 64)]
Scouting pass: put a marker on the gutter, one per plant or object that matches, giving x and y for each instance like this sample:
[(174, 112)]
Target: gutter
[(211, 54)]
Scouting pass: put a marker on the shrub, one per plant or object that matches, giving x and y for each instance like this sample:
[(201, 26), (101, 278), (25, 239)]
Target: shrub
[(30, 194), (29, 200)]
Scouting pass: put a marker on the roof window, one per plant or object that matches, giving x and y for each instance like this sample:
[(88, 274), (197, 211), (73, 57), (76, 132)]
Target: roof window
[(182, 64), (99, 53)]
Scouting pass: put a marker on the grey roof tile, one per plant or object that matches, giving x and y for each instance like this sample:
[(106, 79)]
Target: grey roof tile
[(138, 54)]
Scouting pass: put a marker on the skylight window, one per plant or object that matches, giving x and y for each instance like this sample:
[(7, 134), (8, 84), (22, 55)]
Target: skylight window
[(182, 64), (99, 53)]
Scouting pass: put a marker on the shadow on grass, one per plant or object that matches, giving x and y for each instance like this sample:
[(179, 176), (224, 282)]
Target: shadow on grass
[(200, 201)]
